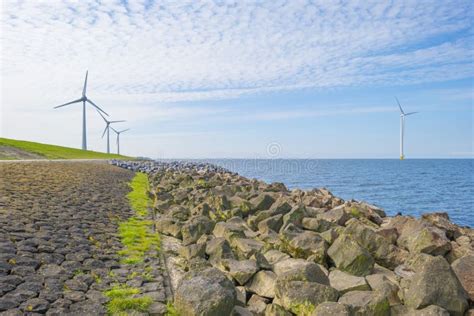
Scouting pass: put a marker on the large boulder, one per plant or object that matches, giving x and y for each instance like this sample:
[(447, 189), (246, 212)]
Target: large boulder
[(308, 245), (316, 224), (276, 310), (194, 228), (441, 220), (241, 271), (337, 215), (419, 236), (348, 256), (218, 249), (263, 284), (298, 296), (379, 282), (464, 269), (272, 223), (230, 229), (379, 247), (331, 309), (434, 282), (205, 292), (299, 270), (261, 202), (246, 247), (295, 216), (366, 303), (345, 282)]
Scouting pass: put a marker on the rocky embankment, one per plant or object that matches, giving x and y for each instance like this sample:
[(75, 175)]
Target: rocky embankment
[(252, 248)]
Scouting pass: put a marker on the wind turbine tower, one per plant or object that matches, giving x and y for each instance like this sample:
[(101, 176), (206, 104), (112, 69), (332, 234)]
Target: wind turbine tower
[(402, 127), (118, 137), (107, 129), (84, 99)]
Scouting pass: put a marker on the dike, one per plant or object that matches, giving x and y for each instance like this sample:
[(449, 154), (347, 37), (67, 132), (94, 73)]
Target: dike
[(238, 246)]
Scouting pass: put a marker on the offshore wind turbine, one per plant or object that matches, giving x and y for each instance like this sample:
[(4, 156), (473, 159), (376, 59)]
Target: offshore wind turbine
[(118, 137), (84, 99), (402, 127), (107, 129)]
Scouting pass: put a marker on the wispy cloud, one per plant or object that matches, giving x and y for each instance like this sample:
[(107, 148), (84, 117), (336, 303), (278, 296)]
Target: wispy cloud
[(187, 50)]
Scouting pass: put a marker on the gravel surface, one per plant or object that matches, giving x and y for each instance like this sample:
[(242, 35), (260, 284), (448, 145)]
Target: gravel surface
[(59, 241)]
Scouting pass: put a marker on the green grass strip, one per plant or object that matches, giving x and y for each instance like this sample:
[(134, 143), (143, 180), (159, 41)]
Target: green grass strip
[(57, 152), (138, 197), (138, 238)]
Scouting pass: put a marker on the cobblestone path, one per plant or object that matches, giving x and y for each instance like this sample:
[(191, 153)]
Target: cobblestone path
[(59, 240)]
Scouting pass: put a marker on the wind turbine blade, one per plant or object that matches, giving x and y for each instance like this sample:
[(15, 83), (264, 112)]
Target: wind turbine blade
[(401, 110), (75, 101), (85, 85), (90, 101), (124, 130), (105, 130), (410, 113), (117, 121), (105, 120), (113, 129)]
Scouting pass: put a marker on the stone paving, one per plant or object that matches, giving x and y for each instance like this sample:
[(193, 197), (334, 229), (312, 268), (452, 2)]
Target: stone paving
[(59, 241)]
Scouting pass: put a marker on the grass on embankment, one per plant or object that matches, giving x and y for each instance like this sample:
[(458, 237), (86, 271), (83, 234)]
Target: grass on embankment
[(57, 152), (138, 238)]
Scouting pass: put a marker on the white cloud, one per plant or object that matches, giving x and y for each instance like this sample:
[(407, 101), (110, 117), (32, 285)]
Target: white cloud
[(195, 50)]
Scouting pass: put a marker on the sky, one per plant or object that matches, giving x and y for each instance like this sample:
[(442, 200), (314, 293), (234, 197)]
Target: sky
[(242, 79)]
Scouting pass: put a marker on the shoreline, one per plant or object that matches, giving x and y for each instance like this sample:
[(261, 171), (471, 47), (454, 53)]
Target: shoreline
[(277, 251)]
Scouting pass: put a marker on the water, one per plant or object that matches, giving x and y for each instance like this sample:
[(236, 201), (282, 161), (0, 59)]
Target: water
[(412, 186)]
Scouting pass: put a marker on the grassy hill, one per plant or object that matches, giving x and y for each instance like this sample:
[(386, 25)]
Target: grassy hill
[(19, 149)]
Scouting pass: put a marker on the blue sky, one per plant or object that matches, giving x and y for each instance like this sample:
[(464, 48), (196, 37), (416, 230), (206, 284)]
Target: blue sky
[(268, 79)]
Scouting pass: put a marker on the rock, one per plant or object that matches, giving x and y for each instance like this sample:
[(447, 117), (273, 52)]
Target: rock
[(218, 248), (331, 309), (276, 310), (299, 270), (431, 310), (193, 251), (241, 311), (229, 230), (246, 247), (464, 269), (344, 282), (194, 228), (168, 226), (241, 295), (348, 256), (51, 270), (299, 296), (262, 262), (366, 303), (295, 216), (390, 234), (241, 271), (420, 237), (380, 283), (273, 256), (316, 224), (263, 284), (261, 202), (7, 303), (272, 223), (441, 220), (206, 292), (308, 244), (35, 305), (257, 304), (157, 309), (336, 215), (434, 283), (380, 248)]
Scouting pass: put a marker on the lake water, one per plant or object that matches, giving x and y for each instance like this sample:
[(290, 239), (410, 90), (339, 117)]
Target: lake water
[(412, 186)]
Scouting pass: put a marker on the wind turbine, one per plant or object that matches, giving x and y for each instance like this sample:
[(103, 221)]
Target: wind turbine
[(84, 99), (118, 137), (402, 127), (107, 129)]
